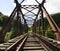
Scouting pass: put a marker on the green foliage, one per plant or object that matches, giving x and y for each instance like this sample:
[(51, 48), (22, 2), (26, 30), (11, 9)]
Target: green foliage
[(8, 36), (11, 33), (50, 34), (30, 30), (3, 18), (56, 18), (0, 27)]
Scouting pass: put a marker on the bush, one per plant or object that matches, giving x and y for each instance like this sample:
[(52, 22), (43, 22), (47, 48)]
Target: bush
[(50, 34)]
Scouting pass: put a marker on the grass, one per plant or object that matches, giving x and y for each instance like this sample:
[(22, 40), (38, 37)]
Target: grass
[(8, 36), (30, 30), (0, 27)]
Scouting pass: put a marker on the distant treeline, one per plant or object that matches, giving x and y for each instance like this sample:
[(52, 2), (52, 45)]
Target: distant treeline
[(3, 18)]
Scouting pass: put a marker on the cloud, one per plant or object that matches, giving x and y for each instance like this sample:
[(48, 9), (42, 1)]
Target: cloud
[(14, 4), (29, 2), (52, 6)]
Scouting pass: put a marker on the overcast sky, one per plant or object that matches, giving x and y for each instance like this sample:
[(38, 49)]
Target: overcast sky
[(7, 6)]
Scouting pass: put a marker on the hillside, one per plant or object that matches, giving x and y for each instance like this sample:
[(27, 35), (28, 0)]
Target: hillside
[(2, 19), (12, 32), (56, 18)]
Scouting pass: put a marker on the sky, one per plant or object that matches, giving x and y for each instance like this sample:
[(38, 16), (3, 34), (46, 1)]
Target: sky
[(7, 6)]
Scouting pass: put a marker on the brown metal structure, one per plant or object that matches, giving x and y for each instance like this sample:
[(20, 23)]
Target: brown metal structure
[(24, 28), (52, 23)]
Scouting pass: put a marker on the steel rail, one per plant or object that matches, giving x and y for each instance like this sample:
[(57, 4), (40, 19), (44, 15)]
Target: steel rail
[(20, 47), (14, 46), (20, 43), (50, 46)]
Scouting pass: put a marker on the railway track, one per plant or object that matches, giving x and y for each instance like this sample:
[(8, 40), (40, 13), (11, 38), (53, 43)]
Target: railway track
[(30, 42)]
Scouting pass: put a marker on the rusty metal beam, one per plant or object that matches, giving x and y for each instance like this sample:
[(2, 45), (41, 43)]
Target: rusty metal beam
[(43, 1), (52, 23), (29, 6), (29, 11), (42, 23), (38, 12)]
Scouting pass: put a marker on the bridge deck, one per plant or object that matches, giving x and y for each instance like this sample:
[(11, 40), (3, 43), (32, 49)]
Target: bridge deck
[(30, 42)]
